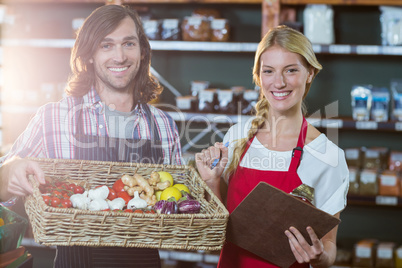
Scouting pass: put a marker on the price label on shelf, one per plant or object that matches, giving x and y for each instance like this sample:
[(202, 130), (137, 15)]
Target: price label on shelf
[(340, 49), (368, 50), (398, 126), (366, 125), (386, 200), (317, 48), (332, 123)]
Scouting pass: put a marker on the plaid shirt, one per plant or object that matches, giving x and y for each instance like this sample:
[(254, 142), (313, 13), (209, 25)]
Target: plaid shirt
[(50, 133)]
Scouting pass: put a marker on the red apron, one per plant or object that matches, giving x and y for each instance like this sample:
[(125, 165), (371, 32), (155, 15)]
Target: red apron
[(240, 185)]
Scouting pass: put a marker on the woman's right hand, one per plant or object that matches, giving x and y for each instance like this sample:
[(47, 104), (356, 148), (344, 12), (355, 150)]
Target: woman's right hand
[(204, 161)]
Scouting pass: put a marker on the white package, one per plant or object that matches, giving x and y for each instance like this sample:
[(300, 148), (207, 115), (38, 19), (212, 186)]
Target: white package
[(319, 24), (391, 25)]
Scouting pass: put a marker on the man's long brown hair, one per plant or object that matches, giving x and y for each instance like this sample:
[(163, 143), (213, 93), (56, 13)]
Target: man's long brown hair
[(99, 24)]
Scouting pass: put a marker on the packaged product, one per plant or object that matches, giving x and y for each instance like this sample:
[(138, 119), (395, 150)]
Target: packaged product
[(364, 253), (319, 24), (389, 183), (197, 86), (380, 104), (226, 103), (396, 91), (361, 102), (354, 180), (76, 25), (354, 157), (170, 29), (196, 28), (208, 13), (398, 257), (208, 101), (186, 103), (385, 255), (220, 30), (152, 29), (368, 182), (395, 161), (250, 97), (391, 25), (376, 157)]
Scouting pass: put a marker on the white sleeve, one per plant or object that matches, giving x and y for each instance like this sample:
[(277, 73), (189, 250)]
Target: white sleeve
[(324, 168)]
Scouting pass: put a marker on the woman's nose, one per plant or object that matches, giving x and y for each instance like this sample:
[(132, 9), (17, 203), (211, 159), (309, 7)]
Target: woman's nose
[(280, 80)]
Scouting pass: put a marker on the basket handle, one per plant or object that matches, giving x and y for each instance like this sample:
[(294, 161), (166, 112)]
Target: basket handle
[(32, 181)]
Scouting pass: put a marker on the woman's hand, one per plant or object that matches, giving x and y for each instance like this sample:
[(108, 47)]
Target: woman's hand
[(204, 161), (321, 253), (14, 177)]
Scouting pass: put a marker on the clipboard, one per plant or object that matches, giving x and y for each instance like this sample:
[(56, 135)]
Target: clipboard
[(259, 222)]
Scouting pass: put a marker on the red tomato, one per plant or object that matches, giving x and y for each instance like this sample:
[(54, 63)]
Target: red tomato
[(138, 211), (124, 195), (66, 203), (71, 186), (112, 194), (118, 186), (55, 201), (106, 209), (46, 198), (57, 193), (150, 211), (78, 189), (128, 210)]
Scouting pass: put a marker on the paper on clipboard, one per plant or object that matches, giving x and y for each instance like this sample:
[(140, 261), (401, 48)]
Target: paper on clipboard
[(259, 222)]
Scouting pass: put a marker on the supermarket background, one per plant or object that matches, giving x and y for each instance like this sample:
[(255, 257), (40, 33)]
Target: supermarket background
[(358, 43)]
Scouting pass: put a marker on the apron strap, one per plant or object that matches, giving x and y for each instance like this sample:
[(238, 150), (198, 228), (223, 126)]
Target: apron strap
[(297, 152), (151, 120)]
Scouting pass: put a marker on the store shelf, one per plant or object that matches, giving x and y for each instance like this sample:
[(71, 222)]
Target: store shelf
[(379, 200), (188, 256), (214, 46), (361, 125), (342, 2), (283, 2)]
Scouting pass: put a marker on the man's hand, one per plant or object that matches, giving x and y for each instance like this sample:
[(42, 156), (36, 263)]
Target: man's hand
[(14, 177)]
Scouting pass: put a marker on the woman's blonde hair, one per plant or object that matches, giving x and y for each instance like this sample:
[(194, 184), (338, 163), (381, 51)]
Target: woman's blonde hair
[(293, 41)]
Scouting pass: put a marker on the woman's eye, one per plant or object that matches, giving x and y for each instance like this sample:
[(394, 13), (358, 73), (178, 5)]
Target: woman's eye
[(267, 71), (293, 70)]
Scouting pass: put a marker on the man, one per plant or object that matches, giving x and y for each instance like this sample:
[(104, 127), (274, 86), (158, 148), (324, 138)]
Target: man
[(105, 118)]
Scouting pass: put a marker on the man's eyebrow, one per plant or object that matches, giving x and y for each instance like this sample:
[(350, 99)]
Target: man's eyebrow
[(127, 38)]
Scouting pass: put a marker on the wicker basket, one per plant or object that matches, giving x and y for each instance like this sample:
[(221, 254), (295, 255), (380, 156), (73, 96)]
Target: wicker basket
[(68, 226)]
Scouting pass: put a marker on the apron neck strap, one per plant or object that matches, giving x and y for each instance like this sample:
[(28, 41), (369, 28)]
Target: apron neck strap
[(297, 152)]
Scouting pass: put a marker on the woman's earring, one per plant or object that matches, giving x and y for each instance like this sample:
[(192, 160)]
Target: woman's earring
[(91, 61)]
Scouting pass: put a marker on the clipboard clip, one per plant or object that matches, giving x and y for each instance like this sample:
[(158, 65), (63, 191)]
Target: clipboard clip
[(298, 149)]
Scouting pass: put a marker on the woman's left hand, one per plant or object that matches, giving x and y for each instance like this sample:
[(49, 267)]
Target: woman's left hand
[(302, 250)]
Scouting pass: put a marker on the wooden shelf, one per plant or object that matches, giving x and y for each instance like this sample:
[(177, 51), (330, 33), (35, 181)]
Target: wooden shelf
[(214, 46), (342, 2), (378, 200), (135, 1), (283, 2)]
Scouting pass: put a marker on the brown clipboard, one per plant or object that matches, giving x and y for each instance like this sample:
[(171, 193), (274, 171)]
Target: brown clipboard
[(259, 222)]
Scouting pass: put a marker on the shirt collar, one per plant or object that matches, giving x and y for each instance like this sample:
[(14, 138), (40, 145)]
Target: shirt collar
[(93, 100)]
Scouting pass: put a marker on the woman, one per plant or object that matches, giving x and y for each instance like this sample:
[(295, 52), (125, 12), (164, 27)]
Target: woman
[(279, 147)]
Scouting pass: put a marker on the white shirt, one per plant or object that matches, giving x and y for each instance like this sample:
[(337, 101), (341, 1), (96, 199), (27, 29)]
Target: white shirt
[(323, 166)]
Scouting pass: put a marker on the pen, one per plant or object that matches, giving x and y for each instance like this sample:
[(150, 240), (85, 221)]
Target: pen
[(216, 161)]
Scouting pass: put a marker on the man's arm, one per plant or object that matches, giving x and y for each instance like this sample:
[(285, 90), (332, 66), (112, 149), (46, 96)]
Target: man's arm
[(14, 177)]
